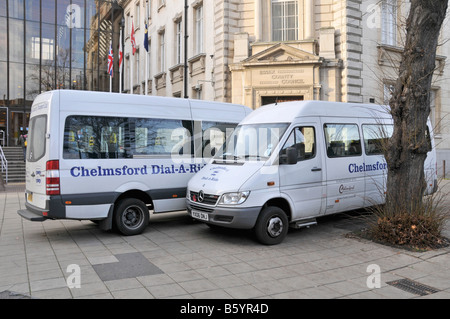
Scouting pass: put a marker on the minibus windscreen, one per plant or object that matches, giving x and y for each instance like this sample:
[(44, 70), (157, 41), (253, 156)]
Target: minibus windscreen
[(252, 142)]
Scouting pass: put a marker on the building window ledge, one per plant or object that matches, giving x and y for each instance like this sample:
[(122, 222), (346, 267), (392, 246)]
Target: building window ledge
[(387, 54), (197, 64), (160, 80), (176, 73)]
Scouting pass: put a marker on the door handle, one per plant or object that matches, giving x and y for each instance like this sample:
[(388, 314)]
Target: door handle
[(316, 169)]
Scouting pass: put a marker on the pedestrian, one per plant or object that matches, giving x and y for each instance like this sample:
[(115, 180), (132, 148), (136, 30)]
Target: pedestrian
[(23, 142)]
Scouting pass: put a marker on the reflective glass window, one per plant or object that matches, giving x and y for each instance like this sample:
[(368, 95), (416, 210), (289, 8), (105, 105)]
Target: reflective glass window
[(63, 12), (48, 11), (33, 42), (3, 40), (3, 84), (2, 8), (16, 40), (32, 10), (16, 83), (32, 81), (16, 9)]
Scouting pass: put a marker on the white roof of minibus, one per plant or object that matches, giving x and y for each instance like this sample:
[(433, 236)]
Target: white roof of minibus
[(113, 104), (286, 112)]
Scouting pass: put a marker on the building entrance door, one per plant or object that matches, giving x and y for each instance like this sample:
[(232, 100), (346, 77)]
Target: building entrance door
[(18, 124), (3, 125), (279, 99)]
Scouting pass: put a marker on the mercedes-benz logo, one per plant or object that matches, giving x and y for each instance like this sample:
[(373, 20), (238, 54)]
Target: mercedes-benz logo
[(201, 196)]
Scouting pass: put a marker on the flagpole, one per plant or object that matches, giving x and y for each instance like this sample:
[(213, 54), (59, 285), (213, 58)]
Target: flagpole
[(120, 61), (146, 74), (110, 65), (131, 57), (146, 46), (131, 75)]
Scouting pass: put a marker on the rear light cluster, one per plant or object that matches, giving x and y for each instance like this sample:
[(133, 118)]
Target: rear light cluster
[(52, 178)]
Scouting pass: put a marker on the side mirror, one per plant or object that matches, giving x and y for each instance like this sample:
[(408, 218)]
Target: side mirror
[(291, 155)]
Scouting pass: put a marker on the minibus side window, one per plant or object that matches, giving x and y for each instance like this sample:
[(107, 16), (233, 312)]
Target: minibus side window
[(303, 139), (376, 137), (214, 135), (162, 137), (93, 137), (342, 140)]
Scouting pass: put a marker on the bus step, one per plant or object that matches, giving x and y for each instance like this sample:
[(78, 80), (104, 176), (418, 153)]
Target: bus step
[(304, 223)]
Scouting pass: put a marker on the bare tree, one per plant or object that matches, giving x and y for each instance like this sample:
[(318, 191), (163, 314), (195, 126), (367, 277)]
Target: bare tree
[(410, 106), (54, 75)]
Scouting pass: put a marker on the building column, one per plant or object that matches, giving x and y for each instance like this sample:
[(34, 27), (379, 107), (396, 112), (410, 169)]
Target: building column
[(309, 19), (258, 21)]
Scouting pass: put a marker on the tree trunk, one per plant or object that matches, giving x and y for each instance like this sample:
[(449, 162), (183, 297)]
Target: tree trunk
[(410, 106)]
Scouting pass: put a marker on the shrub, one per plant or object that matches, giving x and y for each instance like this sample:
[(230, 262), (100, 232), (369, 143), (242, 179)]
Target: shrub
[(421, 229)]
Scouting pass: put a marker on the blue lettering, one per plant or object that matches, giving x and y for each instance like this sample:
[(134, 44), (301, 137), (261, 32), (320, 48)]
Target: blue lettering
[(107, 171), (84, 172), (155, 169), (81, 171), (182, 169), (72, 171), (355, 168)]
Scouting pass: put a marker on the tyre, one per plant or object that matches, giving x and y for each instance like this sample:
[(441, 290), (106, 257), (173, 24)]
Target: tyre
[(131, 216), (272, 226)]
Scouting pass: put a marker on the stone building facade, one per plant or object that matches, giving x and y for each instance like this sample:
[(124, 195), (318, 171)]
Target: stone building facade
[(256, 52)]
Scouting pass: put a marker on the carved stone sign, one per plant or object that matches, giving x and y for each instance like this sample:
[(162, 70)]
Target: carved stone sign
[(282, 77)]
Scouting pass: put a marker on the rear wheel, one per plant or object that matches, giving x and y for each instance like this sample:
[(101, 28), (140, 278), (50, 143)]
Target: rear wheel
[(131, 216), (272, 226)]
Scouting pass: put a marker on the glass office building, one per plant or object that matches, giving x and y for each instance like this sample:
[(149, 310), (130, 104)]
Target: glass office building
[(53, 44)]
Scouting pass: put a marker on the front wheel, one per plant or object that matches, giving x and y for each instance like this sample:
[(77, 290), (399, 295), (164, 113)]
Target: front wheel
[(131, 216), (272, 226)]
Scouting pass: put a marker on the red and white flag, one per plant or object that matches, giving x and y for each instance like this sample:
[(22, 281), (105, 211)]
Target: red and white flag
[(110, 60), (133, 40), (120, 53)]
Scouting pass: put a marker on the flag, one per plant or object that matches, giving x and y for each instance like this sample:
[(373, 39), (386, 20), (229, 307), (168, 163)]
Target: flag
[(110, 60), (133, 40), (146, 37), (120, 52)]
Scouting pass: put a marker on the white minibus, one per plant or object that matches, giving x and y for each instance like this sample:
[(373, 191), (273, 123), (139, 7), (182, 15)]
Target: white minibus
[(289, 163), (111, 157)]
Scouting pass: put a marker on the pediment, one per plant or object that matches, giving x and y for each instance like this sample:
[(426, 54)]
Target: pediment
[(282, 53)]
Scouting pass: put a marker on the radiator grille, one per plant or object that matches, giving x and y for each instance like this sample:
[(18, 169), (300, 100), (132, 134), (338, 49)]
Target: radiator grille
[(206, 199)]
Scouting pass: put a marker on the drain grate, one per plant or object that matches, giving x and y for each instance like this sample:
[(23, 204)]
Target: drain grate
[(129, 265), (413, 287)]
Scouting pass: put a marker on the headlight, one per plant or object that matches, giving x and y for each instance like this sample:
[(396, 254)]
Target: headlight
[(234, 198)]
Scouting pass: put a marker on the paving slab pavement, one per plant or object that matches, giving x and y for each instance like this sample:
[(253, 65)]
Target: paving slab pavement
[(179, 258)]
